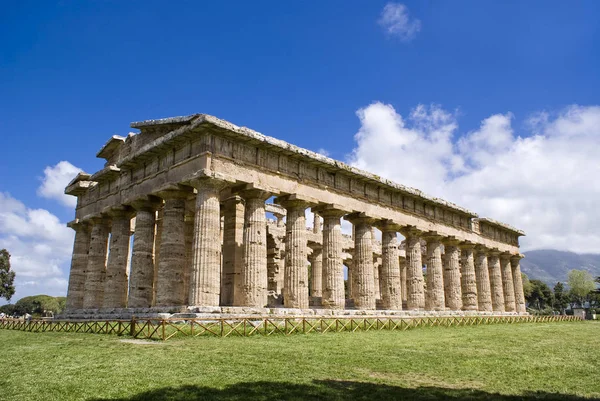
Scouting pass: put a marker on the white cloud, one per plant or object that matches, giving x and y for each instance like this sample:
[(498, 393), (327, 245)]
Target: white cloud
[(40, 246), (323, 152), (55, 180), (397, 22), (543, 182)]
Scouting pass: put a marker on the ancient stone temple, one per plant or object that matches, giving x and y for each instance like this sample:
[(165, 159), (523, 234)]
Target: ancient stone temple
[(194, 214)]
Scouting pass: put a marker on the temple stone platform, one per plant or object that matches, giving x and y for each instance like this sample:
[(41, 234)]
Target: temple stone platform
[(194, 312)]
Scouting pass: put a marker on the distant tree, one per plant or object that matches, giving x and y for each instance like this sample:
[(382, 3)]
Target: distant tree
[(541, 295), (38, 304), (581, 284), (526, 285), (561, 298), (7, 277)]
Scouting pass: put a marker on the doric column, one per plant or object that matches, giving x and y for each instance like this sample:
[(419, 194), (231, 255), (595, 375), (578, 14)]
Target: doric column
[(233, 242), (435, 274), (508, 286), (96, 267), (484, 293), (190, 209), (496, 281), (254, 269), (348, 289), (452, 290), (295, 279), (79, 261), (117, 280), (415, 294), (515, 262), (141, 276), (391, 286), (317, 224), (316, 269), (468, 278), (158, 229), (205, 279), (403, 286), (333, 296), (170, 287), (363, 284)]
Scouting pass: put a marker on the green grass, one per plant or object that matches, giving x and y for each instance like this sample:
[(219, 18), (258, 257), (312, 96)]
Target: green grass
[(552, 361)]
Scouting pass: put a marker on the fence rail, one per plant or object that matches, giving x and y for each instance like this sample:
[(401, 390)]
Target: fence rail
[(165, 329)]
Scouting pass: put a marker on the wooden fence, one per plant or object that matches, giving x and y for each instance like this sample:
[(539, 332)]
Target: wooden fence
[(165, 329)]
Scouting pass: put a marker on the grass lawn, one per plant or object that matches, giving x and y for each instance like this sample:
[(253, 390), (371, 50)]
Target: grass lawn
[(551, 361)]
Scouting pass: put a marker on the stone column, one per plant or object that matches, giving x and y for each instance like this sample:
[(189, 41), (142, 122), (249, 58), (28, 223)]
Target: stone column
[(333, 296), (233, 242), (391, 286), (93, 295), (316, 266), (254, 270), (79, 261), (496, 281), (349, 291), (205, 279), (189, 244), (484, 295), (507, 283), (515, 262), (295, 280), (158, 229), (435, 274), (317, 224), (141, 276), (170, 289), (468, 280), (403, 289), (452, 290), (117, 280), (363, 284), (415, 294)]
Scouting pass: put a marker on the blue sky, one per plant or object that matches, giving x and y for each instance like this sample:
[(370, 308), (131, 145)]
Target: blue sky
[(74, 73)]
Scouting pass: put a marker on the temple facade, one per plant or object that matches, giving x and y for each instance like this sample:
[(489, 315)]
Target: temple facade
[(194, 212)]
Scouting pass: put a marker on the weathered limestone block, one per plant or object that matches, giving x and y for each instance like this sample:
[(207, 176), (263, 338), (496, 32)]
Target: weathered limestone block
[(316, 266), (275, 268), (496, 281), (484, 294), (363, 284), (233, 256), (205, 280), (170, 290), (515, 262), (507, 283), (117, 277), (415, 294), (254, 270), (93, 295), (452, 289), (468, 279), (141, 276), (391, 287), (296, 273), (333, 269), (79, 262), (435, 277)]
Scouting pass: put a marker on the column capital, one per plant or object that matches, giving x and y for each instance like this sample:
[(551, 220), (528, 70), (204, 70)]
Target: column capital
[(77, 224), (450, 241), (505, 255), (495, 252), (296, 201), (208, 182), (431, 236), (99, 219), (466, 245), (410, 231), (387, 225), (315, 246), (330, 210), (516, 258), (360, 218), (116, 212), (253, 191), (146, 203), (481, 249), (175, 192)]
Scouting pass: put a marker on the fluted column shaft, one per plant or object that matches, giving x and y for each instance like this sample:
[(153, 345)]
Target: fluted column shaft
[(233, 242), (96, 267), (507, 283), (391, 286), (404, 287), (79, 261), (468, 279), (205, 280), (435, 275), (170, 289), (333, 296), (117, 280), (141, 276), (484, 294), (515, 262), (316, 270), (295, 279), (189, 249), (158, 229), (254, 271), (452, 289), (415, 297), (363, 284), (496, 282)]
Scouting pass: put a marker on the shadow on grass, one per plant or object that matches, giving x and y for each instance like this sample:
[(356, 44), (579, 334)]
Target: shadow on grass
[(329, 390)]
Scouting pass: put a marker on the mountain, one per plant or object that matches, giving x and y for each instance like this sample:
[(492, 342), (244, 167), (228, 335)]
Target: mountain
[(552, 266)]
